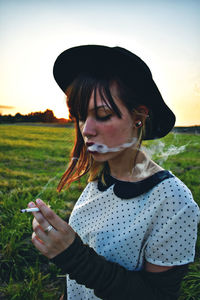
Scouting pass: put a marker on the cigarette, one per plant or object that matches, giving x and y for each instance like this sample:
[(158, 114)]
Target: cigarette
[(29, 209)]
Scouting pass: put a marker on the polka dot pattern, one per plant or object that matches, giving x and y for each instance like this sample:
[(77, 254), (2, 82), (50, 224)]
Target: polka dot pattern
[(159, 226)]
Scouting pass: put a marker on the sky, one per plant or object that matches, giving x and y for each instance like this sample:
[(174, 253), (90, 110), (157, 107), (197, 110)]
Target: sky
[(165, 34)]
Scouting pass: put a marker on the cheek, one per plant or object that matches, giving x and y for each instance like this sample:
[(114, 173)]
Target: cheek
[(109, 130), (113, 134)]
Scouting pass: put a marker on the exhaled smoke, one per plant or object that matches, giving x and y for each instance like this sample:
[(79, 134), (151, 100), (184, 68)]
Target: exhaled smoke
[(161, 152), (101, 148), (158, 151)]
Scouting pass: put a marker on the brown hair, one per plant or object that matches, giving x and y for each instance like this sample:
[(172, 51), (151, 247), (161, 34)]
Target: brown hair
[(78, 97)]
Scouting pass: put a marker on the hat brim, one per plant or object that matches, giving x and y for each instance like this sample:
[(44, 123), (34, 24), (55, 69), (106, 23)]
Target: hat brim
[(123, 64)]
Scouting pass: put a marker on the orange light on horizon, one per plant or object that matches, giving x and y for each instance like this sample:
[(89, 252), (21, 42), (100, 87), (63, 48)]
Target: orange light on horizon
[(58, 113)]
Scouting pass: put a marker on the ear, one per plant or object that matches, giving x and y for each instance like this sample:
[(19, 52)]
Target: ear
[(142, 110), (141, 113)]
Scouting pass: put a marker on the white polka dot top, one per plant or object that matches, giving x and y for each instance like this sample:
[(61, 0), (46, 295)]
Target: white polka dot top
[(159, 226)]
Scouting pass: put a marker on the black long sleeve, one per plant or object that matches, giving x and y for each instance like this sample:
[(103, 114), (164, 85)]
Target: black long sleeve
[(110, 281)]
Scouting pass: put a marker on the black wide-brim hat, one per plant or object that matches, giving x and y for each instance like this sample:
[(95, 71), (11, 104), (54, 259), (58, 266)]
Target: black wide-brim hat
[(132, 70)]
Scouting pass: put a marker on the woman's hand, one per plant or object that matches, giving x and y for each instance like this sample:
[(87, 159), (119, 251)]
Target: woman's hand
[(57, 239)]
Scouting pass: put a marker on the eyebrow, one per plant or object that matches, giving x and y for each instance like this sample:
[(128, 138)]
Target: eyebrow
[(100, 106)]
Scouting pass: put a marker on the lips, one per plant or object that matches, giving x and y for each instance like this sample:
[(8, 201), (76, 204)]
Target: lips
[(89, 144)]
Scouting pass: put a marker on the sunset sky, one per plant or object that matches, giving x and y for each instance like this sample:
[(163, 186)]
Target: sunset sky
[(165, 34)]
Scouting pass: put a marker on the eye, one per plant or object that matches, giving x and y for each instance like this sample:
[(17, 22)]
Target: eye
[(104, 118), (103, 114)]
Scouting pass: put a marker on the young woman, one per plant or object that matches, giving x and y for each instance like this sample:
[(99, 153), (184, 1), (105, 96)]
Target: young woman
[(132, 232)]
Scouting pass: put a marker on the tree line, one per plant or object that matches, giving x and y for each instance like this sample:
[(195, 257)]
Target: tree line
[(40, 117)]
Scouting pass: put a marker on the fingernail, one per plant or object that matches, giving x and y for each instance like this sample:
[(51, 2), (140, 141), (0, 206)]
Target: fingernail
[(39, 201), (31, 204)]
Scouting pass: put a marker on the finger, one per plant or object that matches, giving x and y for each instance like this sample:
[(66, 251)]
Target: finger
[(35, 224), (31, 204), (50, 215), (39, 231), (39, 217), (42, 232), (39, 244)]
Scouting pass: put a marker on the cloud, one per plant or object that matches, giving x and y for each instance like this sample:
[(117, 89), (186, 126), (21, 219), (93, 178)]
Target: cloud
[(6, 107)]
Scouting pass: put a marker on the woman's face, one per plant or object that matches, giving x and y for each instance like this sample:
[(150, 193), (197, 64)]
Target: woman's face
[(106, 127)]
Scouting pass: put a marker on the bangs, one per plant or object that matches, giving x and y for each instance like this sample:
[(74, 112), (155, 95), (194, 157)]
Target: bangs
[(80, 91)]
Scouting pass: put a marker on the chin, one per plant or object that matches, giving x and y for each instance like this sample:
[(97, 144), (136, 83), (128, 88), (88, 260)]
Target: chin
[(103, 157), (99, 157)]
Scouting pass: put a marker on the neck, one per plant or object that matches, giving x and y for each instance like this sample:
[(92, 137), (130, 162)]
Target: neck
[(132, 165)]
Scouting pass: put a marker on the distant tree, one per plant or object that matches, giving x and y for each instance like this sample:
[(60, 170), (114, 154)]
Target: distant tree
[(18, 117), (62, 120), (43, 117), (6, 119), (48, 116)]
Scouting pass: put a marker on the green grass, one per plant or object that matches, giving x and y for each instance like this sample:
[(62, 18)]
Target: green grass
[(32, 160)]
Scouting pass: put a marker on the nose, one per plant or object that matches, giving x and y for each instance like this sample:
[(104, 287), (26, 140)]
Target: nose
[(89, 128)]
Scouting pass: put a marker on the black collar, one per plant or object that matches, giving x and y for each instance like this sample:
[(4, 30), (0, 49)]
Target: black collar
[(128, 190)]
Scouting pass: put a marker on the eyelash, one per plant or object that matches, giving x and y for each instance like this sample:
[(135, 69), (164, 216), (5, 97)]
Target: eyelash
[(105, 118), (100, 119)]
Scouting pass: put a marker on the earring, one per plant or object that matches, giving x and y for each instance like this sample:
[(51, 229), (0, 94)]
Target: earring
[(138, 124)]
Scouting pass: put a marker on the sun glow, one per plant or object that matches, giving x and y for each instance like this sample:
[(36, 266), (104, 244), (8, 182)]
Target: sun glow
[(61, 113)]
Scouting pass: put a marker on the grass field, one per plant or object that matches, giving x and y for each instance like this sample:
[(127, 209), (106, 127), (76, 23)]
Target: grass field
[(32, 160)]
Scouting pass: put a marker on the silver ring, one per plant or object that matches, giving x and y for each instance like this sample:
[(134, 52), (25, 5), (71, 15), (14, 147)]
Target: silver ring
[(48, 229)]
